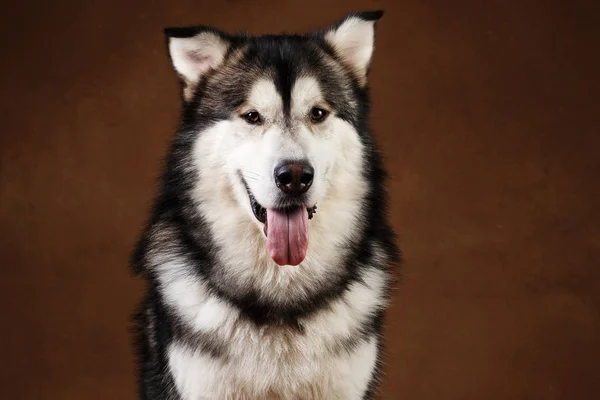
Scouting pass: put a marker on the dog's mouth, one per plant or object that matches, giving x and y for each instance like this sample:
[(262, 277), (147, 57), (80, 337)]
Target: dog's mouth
[(286, 229), (261, 213)]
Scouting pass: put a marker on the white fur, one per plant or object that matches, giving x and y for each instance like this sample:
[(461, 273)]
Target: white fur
[(276, 362), (335, 152), (193, 57), (265, 98), (201, 311), (197, 376), (269, 362), (354, 42)]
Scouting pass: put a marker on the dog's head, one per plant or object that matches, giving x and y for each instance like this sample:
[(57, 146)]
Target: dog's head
[(276, 128)]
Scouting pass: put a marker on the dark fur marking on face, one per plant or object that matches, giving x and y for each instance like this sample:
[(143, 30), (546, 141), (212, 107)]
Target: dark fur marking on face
[(218, 96), (281, 59)]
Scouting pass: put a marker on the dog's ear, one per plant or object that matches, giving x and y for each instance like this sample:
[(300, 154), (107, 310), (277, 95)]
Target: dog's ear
[(194, 51), (353, 40)]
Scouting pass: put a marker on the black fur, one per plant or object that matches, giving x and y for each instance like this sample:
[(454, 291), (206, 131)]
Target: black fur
[(218, 97), (153, 333)]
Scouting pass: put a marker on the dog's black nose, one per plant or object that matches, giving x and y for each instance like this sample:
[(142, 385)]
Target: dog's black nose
[(294, 177)]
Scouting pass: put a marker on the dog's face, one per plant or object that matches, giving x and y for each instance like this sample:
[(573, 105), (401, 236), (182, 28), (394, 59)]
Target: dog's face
[(276, 131)]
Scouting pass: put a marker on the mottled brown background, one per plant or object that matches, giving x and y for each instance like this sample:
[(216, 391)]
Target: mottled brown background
[(486, 111)]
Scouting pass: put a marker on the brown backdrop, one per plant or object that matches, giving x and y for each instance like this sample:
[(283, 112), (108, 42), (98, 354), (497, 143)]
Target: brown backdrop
[(485, 111)]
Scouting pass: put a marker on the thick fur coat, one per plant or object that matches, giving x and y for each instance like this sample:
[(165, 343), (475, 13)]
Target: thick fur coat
[(230, 312)]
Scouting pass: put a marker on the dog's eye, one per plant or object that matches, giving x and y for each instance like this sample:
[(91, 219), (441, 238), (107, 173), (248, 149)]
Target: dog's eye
[(318, 114), (252, 117)]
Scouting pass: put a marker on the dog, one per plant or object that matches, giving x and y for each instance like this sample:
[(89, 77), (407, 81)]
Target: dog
[(268, 253)]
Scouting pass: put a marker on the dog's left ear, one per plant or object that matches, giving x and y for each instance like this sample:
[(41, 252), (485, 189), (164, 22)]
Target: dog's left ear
[(195, 51), (353, 39)]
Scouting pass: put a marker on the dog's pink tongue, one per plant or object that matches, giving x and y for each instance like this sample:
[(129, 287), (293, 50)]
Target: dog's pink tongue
[(287, 235)]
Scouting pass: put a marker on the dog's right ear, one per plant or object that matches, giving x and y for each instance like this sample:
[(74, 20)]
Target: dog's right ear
[(194, 51)]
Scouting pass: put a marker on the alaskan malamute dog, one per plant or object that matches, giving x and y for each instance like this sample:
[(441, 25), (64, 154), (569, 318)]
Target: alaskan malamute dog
[(269, 254)]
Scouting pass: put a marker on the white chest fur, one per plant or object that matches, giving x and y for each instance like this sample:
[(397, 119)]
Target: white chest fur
[(260, 375), (276, 363)]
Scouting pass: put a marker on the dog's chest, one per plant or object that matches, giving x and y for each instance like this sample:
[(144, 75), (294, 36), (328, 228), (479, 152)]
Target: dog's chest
[(275, 363), (231, 357)]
